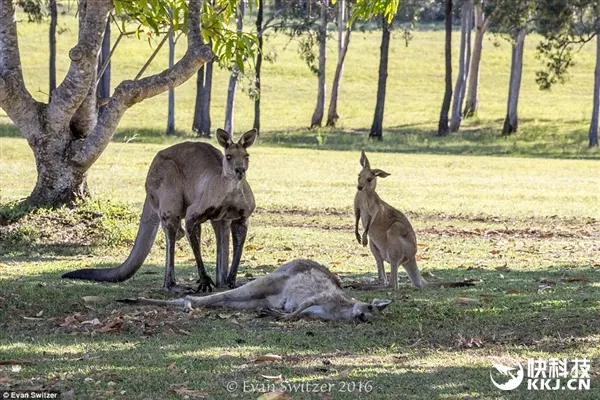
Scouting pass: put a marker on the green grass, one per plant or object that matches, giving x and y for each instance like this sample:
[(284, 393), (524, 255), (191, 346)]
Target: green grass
[(507, 222), (539, 217)]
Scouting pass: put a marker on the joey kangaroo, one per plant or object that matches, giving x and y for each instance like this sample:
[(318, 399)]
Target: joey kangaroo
[(392, 238), (195, 182), (299, 288)]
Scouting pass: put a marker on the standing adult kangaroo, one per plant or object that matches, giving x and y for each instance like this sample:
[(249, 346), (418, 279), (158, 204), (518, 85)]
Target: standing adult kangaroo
[(392, 237), (195, 182)]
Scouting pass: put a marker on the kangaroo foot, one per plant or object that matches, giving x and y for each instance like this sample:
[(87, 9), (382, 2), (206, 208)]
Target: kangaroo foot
[(205, 284), (179, 289)]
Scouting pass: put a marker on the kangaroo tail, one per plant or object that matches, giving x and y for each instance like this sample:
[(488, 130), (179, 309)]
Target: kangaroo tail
[(148, 228), (418, 281)]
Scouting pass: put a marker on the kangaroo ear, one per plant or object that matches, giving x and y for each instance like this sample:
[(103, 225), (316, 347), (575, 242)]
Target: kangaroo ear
[(248, 138), (381, 303), (380, 173), (364, 161), (224, 138)]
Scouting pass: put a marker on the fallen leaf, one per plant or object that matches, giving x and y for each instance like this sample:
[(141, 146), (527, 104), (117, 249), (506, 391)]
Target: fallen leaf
[(342, 375), (111, 383), (502, 268), (287, 248), (16, 361), (580, 278), (541, 288), (268, 357), (423, 245), (253, 247), (547, 282), (466, 300), (513, 291), (336, 262), (188, 393), (276, 378), (93, 322), (494, 251), (427, 275), (280, 260), (278, 395), (111, 327), (32, 318), (93, 299)]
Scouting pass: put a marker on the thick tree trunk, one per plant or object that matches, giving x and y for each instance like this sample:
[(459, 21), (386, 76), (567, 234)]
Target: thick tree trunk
[(317, 117), (104, 82), (343, 42), (511, 122), (461, 78), (259, 57), (171, 103), (233, 79), (67, 135), (443, 123), (472, 103), (377, 126), (52, 39), (593, 133)]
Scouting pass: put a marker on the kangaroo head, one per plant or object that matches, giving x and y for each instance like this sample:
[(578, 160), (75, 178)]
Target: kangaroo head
[(367, 178), (235, 162), (365, 312)]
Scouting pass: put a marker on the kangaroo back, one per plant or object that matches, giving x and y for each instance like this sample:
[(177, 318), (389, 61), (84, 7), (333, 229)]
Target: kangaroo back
[(147, 230)]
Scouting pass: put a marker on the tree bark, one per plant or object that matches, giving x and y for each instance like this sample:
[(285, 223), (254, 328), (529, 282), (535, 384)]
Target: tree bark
[(343, 42), (52, 38), (593, 132), (443, 123), (317, 117), (233, 79), (171, 103), (377, 126), (104, 82), (67, 136), (259, 58), (461, 78), (511, 122), (481, 24)]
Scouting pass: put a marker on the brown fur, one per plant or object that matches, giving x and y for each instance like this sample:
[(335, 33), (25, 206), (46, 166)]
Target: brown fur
[(300, 288), (388, 232), (195, 182)]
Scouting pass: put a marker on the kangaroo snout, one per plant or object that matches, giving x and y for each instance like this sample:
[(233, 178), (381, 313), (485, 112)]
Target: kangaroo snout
[(240, 172), (359, 187)]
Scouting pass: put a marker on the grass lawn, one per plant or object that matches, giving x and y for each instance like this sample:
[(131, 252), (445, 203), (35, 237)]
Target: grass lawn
[(525, 227), (510, 223)]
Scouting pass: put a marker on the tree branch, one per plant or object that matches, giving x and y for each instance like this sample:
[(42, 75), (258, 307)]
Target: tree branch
[(15, 100), (128, 93), (69, 95)]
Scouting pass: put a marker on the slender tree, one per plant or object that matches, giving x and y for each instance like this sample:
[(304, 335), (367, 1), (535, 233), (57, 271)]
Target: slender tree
[(377, 126), (235, 73), (104, 71), (511, 122), (317, 117), (443, 123), (343, 42), (52, 39), (171, 102), (463, 62), (259, 60)]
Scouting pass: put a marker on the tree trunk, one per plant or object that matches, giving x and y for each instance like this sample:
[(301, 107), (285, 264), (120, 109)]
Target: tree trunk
[(443, 123), (472, 103), (52, 39), (343, 42), (229, 106), (461, 78), (593, 133), (377, 127), (202, 122), (317, 117), (259, 57), (103, 89), (171, 103), (511, 123), (67, 135)]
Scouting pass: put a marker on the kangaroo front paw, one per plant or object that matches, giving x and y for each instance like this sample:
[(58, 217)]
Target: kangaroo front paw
[(179, 289), (358, 238), (205, 284), (365, 240)]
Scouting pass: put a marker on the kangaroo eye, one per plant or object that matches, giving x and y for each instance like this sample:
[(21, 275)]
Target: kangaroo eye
[(228, 157), (247, 157), (369, 180), (370, 308)]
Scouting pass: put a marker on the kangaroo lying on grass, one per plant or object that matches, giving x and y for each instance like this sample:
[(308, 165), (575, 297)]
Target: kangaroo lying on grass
[(392, 238), (300, 288), (194, 181)]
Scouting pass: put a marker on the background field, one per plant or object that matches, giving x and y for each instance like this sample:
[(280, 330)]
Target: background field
[(527, 229)]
